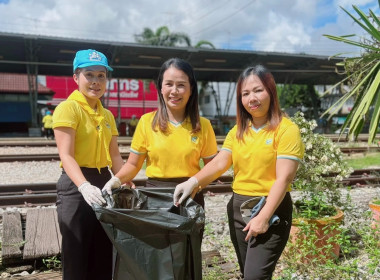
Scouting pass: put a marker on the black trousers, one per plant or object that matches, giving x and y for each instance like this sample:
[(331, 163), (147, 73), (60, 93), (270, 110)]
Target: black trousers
[(86, 249), (258, 257), (49, 132)]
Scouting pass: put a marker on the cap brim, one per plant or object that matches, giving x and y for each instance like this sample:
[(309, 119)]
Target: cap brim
[(94, 64)]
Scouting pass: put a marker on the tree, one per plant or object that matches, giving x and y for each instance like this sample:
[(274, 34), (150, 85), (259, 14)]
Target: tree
[(363, 74), (203, 43), (163, 37), (300, 96)]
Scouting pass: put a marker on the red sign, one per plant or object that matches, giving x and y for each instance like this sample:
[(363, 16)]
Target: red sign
[(135, 97)]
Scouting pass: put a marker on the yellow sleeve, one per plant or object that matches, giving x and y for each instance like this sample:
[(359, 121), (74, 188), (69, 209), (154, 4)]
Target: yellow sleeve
[(66, 115), (210, 148), (139, 144), (229, 140), (290, 144)]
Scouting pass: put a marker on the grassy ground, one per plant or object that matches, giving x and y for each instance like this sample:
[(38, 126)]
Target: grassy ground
[(365, 161)]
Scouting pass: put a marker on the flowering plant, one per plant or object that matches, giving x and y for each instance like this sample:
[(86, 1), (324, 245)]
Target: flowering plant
[(320, 174)]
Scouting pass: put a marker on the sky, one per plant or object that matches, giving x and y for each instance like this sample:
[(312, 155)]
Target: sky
[(288, 26)]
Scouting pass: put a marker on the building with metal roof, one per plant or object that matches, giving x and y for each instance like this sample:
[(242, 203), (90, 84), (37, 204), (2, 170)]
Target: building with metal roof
[(54, 56), (43, 55)]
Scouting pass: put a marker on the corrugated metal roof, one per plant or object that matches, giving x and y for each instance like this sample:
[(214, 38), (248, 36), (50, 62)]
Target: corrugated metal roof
[(54, 56), (18, 83)]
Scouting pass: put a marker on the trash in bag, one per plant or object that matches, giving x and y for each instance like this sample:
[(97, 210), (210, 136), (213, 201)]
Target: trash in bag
[(153, 239)]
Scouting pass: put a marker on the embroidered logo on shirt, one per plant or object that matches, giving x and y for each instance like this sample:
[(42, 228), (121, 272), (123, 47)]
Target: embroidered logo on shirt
[(108, 125), (194, 139), (268, 141)]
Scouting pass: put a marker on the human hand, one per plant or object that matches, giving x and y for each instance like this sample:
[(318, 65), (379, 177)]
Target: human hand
[(130, 185), (112, 183), (255, 227), (185, 188), (91, 194)]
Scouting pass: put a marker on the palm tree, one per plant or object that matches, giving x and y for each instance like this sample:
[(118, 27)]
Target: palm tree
[(163, 37), (203, 43), (363, 73)]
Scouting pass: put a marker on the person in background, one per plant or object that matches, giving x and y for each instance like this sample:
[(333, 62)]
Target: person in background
[(132, 125), (264, 148), (47, 122), (86, 137), (172, 139)]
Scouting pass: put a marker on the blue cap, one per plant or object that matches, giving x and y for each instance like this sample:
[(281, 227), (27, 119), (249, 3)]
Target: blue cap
[(48, 113), (86, 58)]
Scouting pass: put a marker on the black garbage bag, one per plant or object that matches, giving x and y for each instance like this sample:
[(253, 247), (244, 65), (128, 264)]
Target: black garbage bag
[(153, 238)]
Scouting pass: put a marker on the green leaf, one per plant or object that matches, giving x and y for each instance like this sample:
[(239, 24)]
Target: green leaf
[(369, 28), (351, 42), (372, 30), (364, 72), (375, 119)]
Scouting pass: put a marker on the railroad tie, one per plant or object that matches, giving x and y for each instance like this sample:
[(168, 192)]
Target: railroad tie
[(42, 235), (12, 237)]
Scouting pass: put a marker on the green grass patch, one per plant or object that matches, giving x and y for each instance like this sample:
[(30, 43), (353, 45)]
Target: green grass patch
[(368, 160)]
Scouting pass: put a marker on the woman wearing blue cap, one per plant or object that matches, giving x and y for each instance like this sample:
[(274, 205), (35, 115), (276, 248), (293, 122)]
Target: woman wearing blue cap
[(86, 137)]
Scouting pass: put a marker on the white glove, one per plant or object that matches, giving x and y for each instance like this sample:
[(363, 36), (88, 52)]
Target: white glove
[(112, 183), (185, 188), (91, 194)]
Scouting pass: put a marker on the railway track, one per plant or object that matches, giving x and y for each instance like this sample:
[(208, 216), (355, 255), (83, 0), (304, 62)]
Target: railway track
[(126, 141), (42, 194), (125, 155), (39, 157)]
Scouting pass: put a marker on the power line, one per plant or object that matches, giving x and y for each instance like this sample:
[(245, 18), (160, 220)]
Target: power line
[(208, 13), (226, 18)]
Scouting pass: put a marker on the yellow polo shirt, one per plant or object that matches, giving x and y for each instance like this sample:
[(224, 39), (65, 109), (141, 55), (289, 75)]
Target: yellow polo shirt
[(176, 153), (254, 160), (47, 121), (94, 130)]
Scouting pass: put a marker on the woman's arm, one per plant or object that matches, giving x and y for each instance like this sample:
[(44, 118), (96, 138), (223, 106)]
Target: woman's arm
[(65, 139), (285, 172), (130, 169), (212, 170), (117, 161)]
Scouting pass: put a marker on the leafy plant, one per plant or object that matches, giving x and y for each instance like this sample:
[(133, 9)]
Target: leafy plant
[(320, 175), (376, 201), (363, 75), (53, 262), (319, 244)]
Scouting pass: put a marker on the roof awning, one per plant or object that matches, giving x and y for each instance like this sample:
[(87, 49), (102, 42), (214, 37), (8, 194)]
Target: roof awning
[(54, 56)]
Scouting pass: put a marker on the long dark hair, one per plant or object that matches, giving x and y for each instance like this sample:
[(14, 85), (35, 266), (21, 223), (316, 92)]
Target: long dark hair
[(243, 118), (161, 118)]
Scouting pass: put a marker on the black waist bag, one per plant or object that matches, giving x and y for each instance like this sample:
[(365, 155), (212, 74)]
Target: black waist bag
[(153, 238)]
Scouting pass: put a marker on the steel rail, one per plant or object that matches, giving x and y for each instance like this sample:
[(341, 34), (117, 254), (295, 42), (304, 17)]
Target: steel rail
[(125, 155), (126, 141), (18, 195), (39, 157)]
